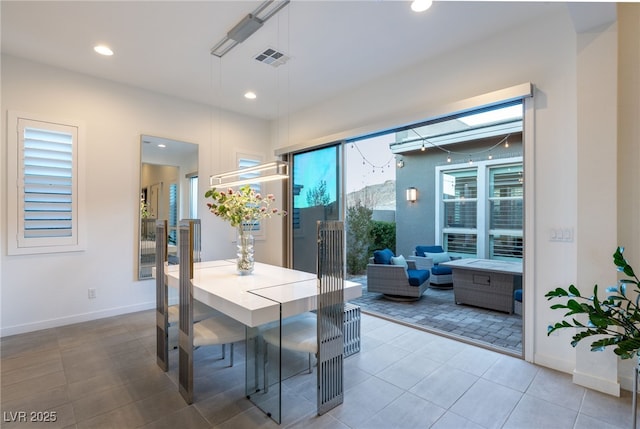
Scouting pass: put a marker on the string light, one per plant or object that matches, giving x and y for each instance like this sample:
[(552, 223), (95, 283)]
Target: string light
[(490, 156), (365, 161)]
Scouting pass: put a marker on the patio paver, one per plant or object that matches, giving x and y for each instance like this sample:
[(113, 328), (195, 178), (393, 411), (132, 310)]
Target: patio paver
[(437, 311)]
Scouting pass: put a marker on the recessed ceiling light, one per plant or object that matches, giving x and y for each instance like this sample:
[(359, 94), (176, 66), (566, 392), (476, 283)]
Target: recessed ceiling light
[(162, 145), (250, 95), (420, 5), (103, 50)]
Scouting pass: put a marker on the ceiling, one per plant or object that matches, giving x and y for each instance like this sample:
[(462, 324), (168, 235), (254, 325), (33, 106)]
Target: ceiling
[(164, 46)]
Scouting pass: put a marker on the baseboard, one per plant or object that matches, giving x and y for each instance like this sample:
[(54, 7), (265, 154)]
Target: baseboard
[(596, 383), (77, 318), (554, 363)]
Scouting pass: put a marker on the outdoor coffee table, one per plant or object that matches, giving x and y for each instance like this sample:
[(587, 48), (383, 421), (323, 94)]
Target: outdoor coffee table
[(485, 283)]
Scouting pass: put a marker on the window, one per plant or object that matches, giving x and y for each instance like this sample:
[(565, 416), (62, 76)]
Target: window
[(505, 211), (315, 179), (173, 213), (246, 161), (482, 209), (44, 192), (460, 204), (193, 197)]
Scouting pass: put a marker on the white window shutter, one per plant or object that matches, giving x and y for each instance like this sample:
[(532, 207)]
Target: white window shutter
[(46, 197)]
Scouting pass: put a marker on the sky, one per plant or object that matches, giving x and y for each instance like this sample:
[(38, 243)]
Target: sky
[(369, 162)]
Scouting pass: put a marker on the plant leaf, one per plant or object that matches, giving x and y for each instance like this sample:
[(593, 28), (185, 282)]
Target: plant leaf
[(574, 291)]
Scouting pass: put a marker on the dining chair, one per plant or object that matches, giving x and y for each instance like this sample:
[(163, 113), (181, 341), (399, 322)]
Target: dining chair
[(167, 316), (217, 330), (162, 296), (201, 311), (320, 333)]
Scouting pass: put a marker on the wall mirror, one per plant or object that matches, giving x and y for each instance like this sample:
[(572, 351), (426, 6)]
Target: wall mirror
[(168, 190)]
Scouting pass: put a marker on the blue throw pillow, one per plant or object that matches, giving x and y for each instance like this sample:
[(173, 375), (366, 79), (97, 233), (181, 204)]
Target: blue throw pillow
[(422, 250), (383, 256)]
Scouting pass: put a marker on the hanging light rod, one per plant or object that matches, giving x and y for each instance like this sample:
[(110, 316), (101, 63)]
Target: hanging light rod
[(276, 170), (247, 26)]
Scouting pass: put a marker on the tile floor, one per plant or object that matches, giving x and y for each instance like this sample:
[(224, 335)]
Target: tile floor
[(102, 374)]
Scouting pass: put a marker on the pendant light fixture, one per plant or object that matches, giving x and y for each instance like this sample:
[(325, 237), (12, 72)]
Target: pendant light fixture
[(267, 172), (247, 26)]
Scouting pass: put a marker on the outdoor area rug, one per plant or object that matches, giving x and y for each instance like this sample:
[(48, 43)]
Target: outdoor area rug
[(436, 311)]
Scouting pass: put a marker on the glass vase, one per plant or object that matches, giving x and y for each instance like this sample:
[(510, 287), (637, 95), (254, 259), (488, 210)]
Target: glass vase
[(245, 242)]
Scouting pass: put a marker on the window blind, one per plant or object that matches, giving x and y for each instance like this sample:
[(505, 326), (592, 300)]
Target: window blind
[(173, 213), (47, 183), (461, 243), (505, 197)]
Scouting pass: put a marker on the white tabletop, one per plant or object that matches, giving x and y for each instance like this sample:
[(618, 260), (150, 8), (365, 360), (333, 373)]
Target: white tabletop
[(255, 299), (492, 265)]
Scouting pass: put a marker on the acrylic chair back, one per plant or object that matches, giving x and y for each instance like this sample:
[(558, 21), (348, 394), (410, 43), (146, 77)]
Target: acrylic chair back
[(197, 241), (330, 315), (185, 325), (162, 297)]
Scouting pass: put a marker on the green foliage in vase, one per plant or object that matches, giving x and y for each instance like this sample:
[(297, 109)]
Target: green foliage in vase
[(613, 321), (242, 207)]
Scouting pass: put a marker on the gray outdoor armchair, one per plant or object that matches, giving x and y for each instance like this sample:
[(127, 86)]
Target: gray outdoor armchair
[(394, 279), (429, 258)]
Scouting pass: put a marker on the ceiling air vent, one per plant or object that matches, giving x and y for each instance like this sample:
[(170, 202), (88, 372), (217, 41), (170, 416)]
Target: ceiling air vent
[(272, 57)]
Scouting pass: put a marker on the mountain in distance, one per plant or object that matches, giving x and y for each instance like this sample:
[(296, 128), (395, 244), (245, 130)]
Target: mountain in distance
[(381, 196)]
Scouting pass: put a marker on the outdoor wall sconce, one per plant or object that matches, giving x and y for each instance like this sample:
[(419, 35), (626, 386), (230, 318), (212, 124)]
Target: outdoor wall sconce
[(412, 194)]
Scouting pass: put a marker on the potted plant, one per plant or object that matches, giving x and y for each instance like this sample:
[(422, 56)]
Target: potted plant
[(613, 321)]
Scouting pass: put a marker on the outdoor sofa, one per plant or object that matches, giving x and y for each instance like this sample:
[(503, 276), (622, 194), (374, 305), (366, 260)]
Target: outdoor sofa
[(396, 278)]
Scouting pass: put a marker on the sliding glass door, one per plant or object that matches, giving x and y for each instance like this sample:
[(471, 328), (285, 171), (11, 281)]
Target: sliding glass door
[(316, 196)]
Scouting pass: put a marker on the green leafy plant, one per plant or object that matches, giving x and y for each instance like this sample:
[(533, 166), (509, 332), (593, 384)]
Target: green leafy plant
[(144, 212), (383, 236), (318, 195), (615, 321), (242, 207), (358, 237)]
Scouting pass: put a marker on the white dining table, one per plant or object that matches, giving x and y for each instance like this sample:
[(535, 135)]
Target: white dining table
[(266, 297), (258, 298)]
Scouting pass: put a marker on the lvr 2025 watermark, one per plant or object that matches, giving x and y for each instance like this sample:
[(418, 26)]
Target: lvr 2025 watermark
[(29, 416)]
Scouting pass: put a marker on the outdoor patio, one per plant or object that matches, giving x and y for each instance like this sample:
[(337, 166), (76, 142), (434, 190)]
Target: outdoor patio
[(437, 312)]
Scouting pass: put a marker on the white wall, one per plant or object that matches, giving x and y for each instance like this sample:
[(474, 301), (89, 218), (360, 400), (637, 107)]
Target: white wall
[(629, 146), (597, 152), (41, 291), (548, 53)]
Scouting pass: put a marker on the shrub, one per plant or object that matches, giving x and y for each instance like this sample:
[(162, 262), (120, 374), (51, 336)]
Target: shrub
[(383, 236), (358, 228)]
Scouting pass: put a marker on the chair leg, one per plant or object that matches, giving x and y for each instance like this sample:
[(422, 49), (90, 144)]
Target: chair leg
[(224, 348), (231, 355)]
